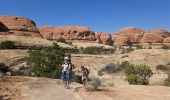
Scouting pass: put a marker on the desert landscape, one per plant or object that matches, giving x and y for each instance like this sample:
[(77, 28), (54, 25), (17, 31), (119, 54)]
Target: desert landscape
[(136, 46)]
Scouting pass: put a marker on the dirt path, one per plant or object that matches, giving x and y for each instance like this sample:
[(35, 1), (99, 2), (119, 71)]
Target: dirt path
[(46, 89)]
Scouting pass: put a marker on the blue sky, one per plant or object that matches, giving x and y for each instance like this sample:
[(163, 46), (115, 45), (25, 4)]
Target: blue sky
[(99, 15)]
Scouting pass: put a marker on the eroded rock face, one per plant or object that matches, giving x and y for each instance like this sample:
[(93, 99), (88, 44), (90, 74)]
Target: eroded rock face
[(103, 37), (166, 40), (67, 32), (134, 35), (155, 36), (121, 40), (21, 26)]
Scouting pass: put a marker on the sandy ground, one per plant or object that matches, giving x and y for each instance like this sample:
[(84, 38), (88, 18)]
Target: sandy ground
[(49, 89)]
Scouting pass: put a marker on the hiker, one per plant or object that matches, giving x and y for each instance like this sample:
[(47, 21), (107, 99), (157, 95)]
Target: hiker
[(84, 72), (66, 71)]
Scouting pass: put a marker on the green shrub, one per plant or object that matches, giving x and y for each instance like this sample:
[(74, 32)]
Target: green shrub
[(93, 50), (7, 45), (62, 40), (110, 68), (167, 81), (4, 68), (144, 73), (130, 69), (139, 47), (132, 79), (46, 63), (165, 47), (137, 75), (93, 84), (129, 49), (162, 67), (124, 64)]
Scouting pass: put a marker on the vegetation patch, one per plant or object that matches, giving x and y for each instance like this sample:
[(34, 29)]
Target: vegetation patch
[(110, 68), (7, 45), (136, 74), (93, 84), (47, 62)]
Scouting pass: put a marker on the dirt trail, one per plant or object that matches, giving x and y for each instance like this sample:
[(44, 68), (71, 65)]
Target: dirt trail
[(46, 89)]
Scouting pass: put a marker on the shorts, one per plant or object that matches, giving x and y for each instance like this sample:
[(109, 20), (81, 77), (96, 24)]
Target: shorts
[(66, 76)]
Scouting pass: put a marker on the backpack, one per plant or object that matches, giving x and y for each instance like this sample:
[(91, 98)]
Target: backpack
[(87, 71)]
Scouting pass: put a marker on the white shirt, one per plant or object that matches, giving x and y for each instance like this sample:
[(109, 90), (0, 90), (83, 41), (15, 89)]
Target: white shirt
[(65, 67)]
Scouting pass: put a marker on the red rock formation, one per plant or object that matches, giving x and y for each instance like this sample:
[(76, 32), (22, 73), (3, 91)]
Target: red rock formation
[(103, 37), (132, 33), (155, 36), (18, 26), (121, 40), (138, 36), (166, 40), (68, 33)]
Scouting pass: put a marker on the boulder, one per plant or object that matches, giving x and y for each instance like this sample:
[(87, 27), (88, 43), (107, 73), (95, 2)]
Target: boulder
[(21, 26), (134, 34), (154, 36), (103, 37), (121, 40), (67, 33)]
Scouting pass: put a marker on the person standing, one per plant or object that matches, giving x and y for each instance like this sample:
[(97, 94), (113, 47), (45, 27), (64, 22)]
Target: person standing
[(84, 72), (66, 71)]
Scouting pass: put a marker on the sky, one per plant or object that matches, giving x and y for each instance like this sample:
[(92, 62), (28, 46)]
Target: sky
[(100, 15)]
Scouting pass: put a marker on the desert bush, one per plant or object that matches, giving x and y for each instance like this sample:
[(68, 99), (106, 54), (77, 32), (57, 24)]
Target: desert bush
[(110, 68), (93, 84), (110, 51), (129, 69), (132, 79), (139, 47), (136, 74), (127, 50), (7, 45), (162, 67), (144, 73), (165, 47), (124, 64), (167, 81), (93, 50), (4, 68), (62, 40), (46, 62)]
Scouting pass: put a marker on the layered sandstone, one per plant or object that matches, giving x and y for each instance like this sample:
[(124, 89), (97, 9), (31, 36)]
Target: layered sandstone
[(20, 26), (67, 33), (103, 37), (132, 35), (155, 36)]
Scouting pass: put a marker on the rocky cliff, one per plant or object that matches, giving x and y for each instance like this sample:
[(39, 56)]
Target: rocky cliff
[(132, 35)]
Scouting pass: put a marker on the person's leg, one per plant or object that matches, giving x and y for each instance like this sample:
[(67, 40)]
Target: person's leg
[(83, 80), (64, 79), (67, 79)]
